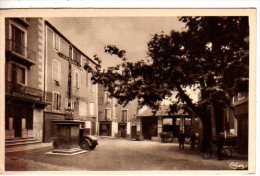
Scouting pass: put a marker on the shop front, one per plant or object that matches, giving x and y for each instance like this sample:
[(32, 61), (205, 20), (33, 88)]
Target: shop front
[(105, 128)]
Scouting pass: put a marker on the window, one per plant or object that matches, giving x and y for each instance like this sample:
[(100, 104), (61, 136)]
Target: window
[(107, 99), (91, 85), (64, 47), (69, 104), (77, 80), (91, 109), (56, 104), (18, 40), (20, 75), (56, 43), (77, 56), (167, 121), (124, 115), (82, 108), (107, 114), (56, 71)]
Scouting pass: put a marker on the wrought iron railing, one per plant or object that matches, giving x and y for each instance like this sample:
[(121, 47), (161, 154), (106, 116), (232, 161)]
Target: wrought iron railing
[(20, 49), (26, 92)]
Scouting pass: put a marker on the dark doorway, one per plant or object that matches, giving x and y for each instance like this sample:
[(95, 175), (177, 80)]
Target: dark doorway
[(22, 119), (149, 127), (176, 130), (133, 132), (105, 129), (122, 130), (93, 128)]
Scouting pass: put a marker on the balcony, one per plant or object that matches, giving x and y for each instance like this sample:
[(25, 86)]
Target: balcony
[(28, 94), (20, 53)]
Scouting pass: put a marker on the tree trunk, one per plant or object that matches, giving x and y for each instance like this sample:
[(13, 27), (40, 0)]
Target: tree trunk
[(207, 129)]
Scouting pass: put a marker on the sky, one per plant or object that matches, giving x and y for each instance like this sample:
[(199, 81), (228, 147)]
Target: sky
[(92, 34)]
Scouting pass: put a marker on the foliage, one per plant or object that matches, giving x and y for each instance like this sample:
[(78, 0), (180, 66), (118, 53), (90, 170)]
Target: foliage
[(211, 54)]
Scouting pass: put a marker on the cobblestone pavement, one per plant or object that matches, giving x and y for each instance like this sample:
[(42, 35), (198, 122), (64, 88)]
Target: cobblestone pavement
[(118, 155)]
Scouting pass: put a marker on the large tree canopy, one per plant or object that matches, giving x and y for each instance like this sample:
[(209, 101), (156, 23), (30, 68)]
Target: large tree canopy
[(212, 54)]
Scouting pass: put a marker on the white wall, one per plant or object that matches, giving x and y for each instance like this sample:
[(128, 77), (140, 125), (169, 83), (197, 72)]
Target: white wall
[(114, 129), (128, 128), (38, 124)]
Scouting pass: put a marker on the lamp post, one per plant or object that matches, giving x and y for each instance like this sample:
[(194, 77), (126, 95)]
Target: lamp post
[(67, 130), (69, 110)]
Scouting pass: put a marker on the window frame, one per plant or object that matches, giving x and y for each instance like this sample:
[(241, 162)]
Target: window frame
[(78, 52), (122, 110), (59, 71), (94, 108), (59, 102), (25, 69), (110, 114), (91, 86), (76, 81), (55, 37), (13, 24)]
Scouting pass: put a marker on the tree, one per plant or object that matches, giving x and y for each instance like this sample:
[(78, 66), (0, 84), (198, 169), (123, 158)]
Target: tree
[(211, 54)]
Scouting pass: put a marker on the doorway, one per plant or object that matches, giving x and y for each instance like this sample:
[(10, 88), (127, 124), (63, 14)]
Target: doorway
[(149, 127)]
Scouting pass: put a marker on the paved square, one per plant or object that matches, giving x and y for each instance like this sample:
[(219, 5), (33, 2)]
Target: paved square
[(118, 155)]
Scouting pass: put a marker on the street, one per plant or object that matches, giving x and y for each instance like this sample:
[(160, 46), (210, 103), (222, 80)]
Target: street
[(115, 155)]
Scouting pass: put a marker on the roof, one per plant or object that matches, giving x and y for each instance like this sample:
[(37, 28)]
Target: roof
[(163, 111)]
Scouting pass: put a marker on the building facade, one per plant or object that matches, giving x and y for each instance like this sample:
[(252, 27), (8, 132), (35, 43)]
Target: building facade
[(150, 125), (40, 65), (66, 72), (114, 119), (24, 78), (236, 121)]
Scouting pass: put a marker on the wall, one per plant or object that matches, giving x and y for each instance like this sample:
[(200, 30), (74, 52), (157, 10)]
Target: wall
[(35, 42), (38, 124), (81, 95)]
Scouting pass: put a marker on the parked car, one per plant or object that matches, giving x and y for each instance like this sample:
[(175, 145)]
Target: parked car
[(87, 141)]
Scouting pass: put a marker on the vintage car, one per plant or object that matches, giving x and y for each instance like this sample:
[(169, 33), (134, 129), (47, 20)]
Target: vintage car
[(87, 141)]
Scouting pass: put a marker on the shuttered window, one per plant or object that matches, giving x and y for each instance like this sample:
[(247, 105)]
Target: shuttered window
[(91, 109), (20, 75), (56, 104), (77, 80), (56, 43), (124, 115), (107, 114), (56, 71), (77, 57)]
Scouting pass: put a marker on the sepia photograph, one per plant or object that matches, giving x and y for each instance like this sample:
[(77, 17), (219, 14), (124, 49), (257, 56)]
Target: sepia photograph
[(128, 90)]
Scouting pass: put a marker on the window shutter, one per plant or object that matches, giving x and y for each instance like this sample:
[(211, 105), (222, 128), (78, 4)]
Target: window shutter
[(55, 70), (66, 103), (59, 101), (54, 100), (59, 73)]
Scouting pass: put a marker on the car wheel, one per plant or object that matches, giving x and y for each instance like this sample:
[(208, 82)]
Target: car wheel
[(92, 147), (84, 145)]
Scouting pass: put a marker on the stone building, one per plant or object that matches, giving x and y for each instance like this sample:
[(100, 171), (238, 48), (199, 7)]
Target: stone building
[(37, 78), (114, 119), (24, 80), (150, 125), (59, 54), (236, 121)]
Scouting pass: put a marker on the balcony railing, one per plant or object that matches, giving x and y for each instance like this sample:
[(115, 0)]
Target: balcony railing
[(27, 93), (21, 51)]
